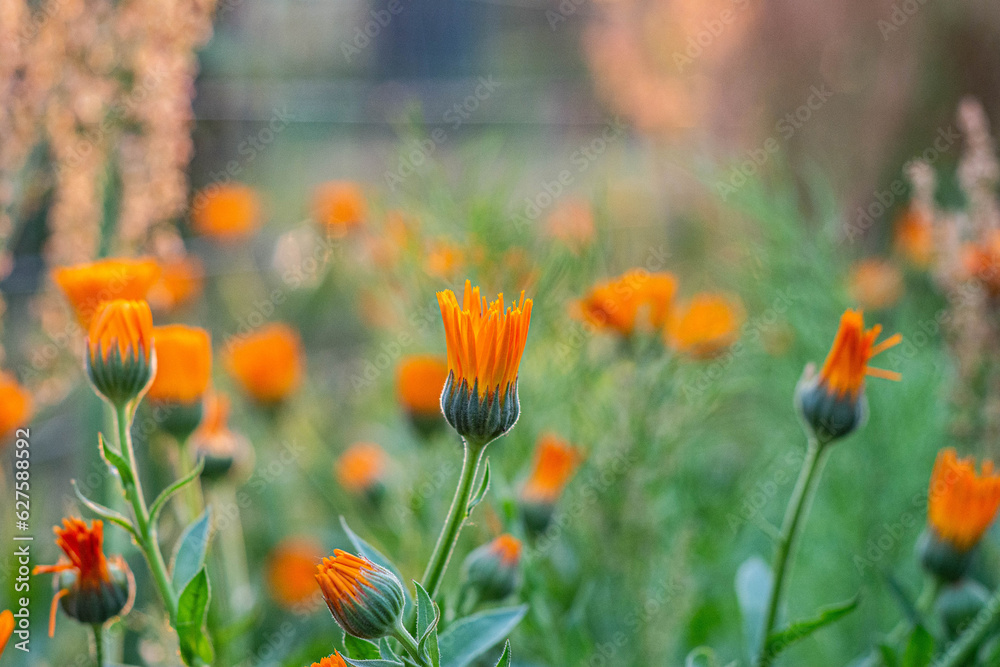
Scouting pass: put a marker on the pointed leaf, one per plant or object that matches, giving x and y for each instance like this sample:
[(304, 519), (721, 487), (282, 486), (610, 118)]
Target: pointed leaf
[(117, 461), (387, 651), (165, 495), (192, 610), (104, 512), (360, 649), (781, 640), (753, 590), (504, 660), (374, 555), (190, 553), (467, 639), (428, 615), (484, 486), (920, 648)]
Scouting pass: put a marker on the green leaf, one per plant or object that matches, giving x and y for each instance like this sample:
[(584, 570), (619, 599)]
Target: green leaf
[(701, 656), (889, 656), (192, 610), (190, 553), (371, 663), (484, 486), (360, 649), (920, 648), (115, 460), (165, 495), (467, 639), (782, 639), (753, 592), (375, 556), (504, 660), (105, 512), (433, 649), (428, 616), (387, 651)]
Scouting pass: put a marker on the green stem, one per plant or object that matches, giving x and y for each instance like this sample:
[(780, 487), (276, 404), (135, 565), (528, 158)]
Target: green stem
[(194, 497), (99, 643), (963, 647), (149, 542), (457, 515), (409, 644), (794, 516)]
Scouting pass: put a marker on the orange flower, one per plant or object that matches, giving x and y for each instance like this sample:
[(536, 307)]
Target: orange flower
[(6, 628), (705, 326), (120, 360), (179, 283), (330, 661), (572, 223), (340, 206), (507, 548), (637, 298), (290, 569), (443, 260), (183, 363), (981, 261), (226, 212), (962, 504), (360, 467), (419, 382), (267, 364), (87, 287), (365, 598), (99, 588), (843, 373), (875, 283), (555, 462), (15, 405), (485, 343), (914, 237)]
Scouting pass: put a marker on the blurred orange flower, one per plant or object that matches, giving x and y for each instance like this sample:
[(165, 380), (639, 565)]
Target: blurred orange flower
[(89, 286), (226, 212), (180, 283), (981, 261), (705, 326), (183, 363), (845, 368), (290, 572), (555, 462), (360, 467), (268, 363), (213, 441), (875, 284), (340, 206), (6, 628), (15, 405), (330, 661), (962, 504), (636, 299), (572, 223), (419, 381), (914, 237), (443, 260)]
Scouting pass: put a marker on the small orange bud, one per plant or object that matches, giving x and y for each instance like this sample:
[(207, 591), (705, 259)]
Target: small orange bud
[(365, 599), (120, 358)]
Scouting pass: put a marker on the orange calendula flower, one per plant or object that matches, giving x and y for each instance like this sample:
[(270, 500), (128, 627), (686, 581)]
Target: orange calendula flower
[(485, 344), (340, 206), (443, 260), (89, 286), (981, 261), (705, 326), (120, 360), (555, 462), (365, 598), (183, 364), (6, 628), (222, 449), (636, 299), (419, 381), (91, 588), (493, 569), (15, 405), (361, 467), (875, 283), (961, 503), (226, 212), (914, 237), (179, 284), (290, 573), (268, 363), (334, 660)]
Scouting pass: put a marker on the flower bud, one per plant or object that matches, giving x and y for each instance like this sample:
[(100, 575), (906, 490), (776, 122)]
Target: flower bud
[(555, 462), (334, 660), (91, 588), (183, 372), (479, 419), (941, 558), (120, 358), (365, 599), (959, 603), (493, 570), (226, 454), (361, 469)]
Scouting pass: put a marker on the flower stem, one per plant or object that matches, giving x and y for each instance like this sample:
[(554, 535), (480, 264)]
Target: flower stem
[(410, 644), (99, 643), (963, 647), (794, 515), (148, 540), (457, 515)]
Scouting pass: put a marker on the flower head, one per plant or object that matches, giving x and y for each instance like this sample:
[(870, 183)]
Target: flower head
[(705, 326), (120, 359), (267, 364), (340, 206), (961, 503), (635, 300), (89, 286), (183, 364), (360, 469), (179, 284), (365, 598), (914, 237), (981, 261), (555, 462), (493, 569), (91, 588), (831, 402), (223, 450), (15, 404), (419, 381), (875, 283), (290, 572), (226, 212), (6, 628), (334, 660)]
